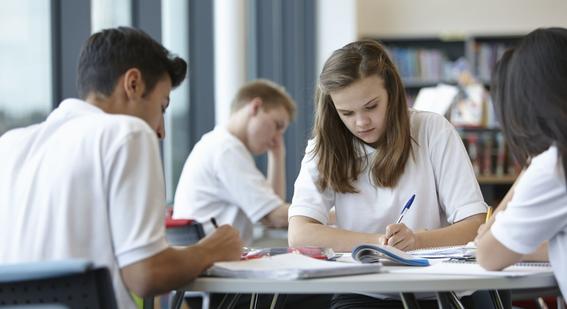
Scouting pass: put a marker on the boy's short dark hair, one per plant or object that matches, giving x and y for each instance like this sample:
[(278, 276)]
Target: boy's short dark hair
[(272, 95), (108, 54)]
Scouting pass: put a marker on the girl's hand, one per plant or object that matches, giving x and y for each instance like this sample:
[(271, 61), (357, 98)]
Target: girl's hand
[(400, 236)]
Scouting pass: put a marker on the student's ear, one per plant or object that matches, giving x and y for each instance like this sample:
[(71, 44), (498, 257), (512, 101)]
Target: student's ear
[(256, 105), (133, 83)]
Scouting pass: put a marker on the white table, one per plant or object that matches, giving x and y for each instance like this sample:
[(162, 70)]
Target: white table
[(405, 284)]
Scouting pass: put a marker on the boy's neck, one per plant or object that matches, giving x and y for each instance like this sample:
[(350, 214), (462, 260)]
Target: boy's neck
[(236, 125)]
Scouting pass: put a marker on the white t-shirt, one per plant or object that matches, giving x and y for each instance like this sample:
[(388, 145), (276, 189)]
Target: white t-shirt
[(441, 177), (83, 184), (221, 180), (538, 212)]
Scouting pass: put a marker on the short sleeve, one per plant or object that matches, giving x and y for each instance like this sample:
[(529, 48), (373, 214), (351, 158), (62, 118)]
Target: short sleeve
[(458, 190), (247, 187), (136, 198), (308, 200), (537, 210)]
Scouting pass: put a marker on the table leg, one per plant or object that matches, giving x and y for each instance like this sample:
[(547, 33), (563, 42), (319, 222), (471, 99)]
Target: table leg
[(274, 301), (177, 299), (496, 300), (409, 301)]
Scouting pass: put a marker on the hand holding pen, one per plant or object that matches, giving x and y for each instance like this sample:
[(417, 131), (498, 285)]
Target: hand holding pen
[(398, 234)]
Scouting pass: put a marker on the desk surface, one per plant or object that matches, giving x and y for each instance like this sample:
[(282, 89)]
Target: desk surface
[(373, 283)]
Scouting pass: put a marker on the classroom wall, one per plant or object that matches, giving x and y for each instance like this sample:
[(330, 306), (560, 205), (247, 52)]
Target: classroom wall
[(386, 18)]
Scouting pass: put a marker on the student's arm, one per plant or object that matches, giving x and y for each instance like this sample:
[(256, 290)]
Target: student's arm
[(277, 218), (276, 168), (501, 206), (173, 268), (459, 233), (304, 231), (493, 255)]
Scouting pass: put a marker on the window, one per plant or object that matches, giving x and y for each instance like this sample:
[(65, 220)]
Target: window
[(175, 34), (25, 59)]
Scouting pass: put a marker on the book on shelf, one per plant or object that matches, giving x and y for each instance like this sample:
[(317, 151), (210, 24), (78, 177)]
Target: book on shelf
[(374, 253), (438, 99), (289, 266), (488, 152)]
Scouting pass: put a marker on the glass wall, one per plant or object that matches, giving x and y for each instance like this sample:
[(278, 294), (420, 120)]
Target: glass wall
[(176, 148), (25, 59), (110, 13)]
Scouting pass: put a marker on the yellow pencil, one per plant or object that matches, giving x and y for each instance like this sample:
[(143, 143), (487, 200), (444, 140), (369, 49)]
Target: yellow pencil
[(488, 214)]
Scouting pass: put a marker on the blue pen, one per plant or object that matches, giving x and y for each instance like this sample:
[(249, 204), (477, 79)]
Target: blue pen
[(405, 209)]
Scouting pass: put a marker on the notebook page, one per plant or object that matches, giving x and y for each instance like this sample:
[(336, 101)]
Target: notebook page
[(473, 268)]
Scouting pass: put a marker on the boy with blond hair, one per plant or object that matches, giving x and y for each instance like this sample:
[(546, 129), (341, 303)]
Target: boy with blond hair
[(220, 178)]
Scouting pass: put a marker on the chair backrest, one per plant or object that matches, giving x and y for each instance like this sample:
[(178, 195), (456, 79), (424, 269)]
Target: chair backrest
[(74, 284), (182, 232)]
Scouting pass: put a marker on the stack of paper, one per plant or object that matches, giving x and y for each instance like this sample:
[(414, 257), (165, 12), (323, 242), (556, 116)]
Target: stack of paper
[(287, 267)]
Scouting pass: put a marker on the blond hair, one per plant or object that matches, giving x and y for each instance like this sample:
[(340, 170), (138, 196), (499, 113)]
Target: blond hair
[(336, 149), (271, 94)]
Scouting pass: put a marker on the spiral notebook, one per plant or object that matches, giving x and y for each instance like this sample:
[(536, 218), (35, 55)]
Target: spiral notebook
[(460, 267), (462, 251)]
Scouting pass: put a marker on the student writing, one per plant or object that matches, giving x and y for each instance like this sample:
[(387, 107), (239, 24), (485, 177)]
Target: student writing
[(369, 153), (88, 182), (530, 99)]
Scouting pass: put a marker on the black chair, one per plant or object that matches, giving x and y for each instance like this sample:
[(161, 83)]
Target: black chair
[(70, 283)]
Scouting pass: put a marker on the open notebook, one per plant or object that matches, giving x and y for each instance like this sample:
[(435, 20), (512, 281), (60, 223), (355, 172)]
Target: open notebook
[(372, 253), (287, 267), (462, 251), (460, 267)]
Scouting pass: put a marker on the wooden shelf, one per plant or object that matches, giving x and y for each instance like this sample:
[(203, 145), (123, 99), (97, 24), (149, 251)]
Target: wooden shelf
[(496, 180)]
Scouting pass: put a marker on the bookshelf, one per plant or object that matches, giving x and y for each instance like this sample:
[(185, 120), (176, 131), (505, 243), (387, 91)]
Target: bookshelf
[(429, 61)]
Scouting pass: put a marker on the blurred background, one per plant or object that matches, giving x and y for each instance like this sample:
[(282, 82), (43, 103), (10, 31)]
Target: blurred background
[(444, 49)]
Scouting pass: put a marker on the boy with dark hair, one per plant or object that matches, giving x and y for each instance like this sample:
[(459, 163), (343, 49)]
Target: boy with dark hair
[(88, 183), (220, 178)]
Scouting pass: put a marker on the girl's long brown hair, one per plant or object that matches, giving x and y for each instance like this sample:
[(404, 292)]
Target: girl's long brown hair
[(336, 149)]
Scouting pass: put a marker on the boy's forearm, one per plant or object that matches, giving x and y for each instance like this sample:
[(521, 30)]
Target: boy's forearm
[(276, 173), (167, 270)]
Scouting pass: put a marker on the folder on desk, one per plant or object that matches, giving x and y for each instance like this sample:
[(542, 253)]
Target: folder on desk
[(289, 266)]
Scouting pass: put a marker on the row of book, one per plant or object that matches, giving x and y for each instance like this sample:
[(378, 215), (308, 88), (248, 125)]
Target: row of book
[(488, 153), (419, 64), (486, 55)]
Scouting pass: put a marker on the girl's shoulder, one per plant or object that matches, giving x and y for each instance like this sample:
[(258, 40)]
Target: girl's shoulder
[(426, 124)]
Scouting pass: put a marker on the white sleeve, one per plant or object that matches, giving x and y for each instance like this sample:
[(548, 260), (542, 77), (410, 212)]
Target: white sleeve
[(308, 200), (457, 187), (136, 198), (537, 211), (247, 187)]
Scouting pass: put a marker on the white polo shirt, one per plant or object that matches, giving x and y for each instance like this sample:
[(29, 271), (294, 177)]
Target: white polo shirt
[(439, 174), (220, 179), (83, 184), (538, 212)]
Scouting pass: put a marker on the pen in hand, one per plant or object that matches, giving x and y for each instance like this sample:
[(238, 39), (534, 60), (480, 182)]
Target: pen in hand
[(214, 222), (405, 209)]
